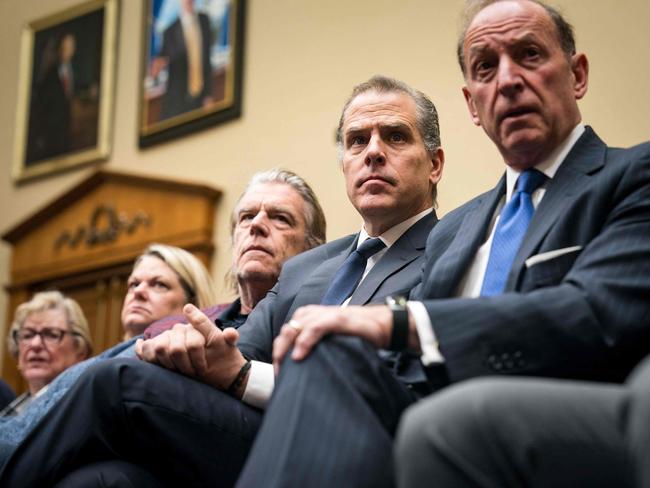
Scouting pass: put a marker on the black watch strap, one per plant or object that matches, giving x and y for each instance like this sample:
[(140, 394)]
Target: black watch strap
[(400, 332)]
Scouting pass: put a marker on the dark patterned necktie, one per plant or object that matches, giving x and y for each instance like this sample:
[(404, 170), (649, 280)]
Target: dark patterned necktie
[(349, 275)]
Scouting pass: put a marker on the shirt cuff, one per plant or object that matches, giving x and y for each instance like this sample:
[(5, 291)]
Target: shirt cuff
[(424, 327), (260, 385)]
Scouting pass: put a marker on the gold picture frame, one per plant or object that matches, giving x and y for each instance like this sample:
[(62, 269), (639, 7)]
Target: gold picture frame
[(65, 91), (180, 95)]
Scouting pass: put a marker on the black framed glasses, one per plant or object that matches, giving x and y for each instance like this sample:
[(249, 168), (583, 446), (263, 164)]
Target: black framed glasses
[(49, 336)]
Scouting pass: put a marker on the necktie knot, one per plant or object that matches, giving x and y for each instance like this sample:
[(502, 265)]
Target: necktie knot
[(370, 247), (348, 276), (530, 180)]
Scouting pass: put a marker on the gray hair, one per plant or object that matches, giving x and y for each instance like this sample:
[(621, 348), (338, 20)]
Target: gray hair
[(314, 216), (52, 300), (563, 29), (426, 113)]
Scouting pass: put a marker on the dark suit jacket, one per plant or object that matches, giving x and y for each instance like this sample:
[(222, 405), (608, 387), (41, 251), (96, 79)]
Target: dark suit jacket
[(582, 314), (6, 394), (50, 118), (177, 99), (305, 278)]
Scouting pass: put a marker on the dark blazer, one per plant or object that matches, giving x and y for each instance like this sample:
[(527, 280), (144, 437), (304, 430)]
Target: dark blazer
[(176, 99), (305, 278), (50, 118), (583, 312), (6, 394)]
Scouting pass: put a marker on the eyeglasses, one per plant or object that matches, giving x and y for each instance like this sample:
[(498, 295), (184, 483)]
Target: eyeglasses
[(51, 337)]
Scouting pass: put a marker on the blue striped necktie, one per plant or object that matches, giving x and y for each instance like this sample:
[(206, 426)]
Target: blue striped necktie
[(510, 231), (349, 275)]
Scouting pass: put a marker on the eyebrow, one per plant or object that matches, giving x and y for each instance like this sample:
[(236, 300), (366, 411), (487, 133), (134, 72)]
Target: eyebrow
[(526, 37), (382, 126), (355, 130), (247, 210), (155, 277), (395, 126), (270, 208)]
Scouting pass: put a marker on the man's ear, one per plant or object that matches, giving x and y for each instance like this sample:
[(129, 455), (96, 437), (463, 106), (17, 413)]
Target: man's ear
[(437, 164), (580, 70), (471, 106)]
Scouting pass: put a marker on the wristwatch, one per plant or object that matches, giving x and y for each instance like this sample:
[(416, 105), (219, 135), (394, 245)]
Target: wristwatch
[(400, 333)]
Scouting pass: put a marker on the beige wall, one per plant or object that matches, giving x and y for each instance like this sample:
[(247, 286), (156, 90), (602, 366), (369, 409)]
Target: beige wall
[(302, 57)]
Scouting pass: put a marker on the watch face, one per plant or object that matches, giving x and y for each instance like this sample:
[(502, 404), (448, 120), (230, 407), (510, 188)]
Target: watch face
[(396, 301)]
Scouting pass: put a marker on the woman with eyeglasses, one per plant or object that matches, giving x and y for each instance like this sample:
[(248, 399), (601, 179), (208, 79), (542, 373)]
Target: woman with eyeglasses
[(49, 334)]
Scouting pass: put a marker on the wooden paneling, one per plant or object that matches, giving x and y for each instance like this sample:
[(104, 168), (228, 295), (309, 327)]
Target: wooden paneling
[(84, 243)]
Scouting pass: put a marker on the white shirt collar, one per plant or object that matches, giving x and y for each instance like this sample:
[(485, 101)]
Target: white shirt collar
[(551, 164), (391, 236)]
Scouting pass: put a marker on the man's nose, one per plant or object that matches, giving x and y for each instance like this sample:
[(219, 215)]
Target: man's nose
[(375, 152), (259, 224), (509, 77)]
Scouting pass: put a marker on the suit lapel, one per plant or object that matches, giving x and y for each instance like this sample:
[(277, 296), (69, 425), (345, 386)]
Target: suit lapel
[(407, 248), (314, 288), (586, 157), (451, 266)]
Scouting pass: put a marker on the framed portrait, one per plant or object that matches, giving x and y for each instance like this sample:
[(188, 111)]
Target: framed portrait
[(65, 92), (192, 66)]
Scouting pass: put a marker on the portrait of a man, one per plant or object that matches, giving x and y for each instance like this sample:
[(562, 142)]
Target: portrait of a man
[(65, 89), (191, 70)]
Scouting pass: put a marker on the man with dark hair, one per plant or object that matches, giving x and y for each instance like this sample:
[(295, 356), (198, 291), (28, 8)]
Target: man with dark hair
[(189, 432), (545, 275)]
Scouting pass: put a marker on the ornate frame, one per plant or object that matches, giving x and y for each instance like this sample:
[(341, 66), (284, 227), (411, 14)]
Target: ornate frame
[(159, 121), (62, 125)]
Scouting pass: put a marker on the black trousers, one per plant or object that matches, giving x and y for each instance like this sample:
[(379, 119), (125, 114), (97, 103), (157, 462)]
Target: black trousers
[(182, 432), (330, 422), (507, 432), (110, 474)]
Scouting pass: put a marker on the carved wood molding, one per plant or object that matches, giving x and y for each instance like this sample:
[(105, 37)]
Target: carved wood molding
[(104, 226)]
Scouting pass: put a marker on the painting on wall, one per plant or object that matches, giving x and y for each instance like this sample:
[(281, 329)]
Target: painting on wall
[(65, 91), (192, 66)]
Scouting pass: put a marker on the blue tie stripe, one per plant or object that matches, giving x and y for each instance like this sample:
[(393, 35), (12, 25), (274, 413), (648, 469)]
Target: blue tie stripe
[(510, 231), (349, 275)]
